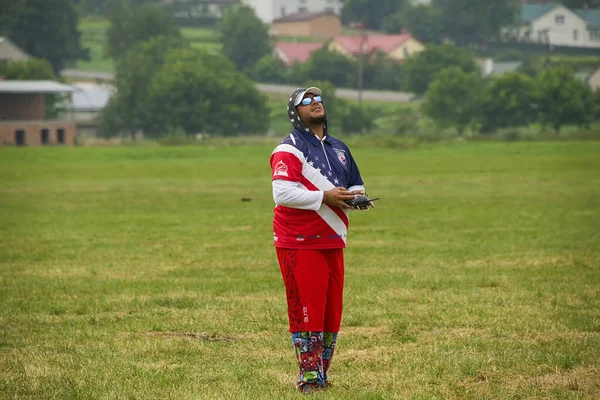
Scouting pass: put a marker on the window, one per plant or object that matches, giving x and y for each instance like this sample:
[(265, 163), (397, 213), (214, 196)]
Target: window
[(45, 136), (559, 19), (595, 36), (60, 136), (329, 9), (283, 11), (405, 51), (20, 137), (575, 35), (303, 1), (301, 9)]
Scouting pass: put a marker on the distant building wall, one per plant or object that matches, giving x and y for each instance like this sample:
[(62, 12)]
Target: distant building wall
[(16, 107), (326, 26), (335, 46), (406, 49), (269, 10), (34, 133)]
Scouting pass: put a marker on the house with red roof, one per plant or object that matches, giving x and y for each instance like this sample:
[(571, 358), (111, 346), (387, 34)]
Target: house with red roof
[(395, 47), (290, 53)]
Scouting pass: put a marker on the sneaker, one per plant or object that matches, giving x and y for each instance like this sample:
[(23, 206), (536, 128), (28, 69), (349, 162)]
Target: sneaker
[(307, 388)]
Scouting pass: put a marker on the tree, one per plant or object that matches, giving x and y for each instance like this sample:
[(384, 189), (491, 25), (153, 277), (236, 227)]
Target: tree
[(381, 74), (365, 12), (509, 100), (561, 97), (331, 66), (269, 69), (32, 69), (581, 4), (127, 110), (453, 99), (129, 27), (199, 92), (422, 21), (45, 29), (421, 69), (474, 21), (244, 37)]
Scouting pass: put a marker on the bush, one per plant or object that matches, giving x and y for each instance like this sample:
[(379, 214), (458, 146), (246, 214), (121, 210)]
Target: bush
[(358, 119)]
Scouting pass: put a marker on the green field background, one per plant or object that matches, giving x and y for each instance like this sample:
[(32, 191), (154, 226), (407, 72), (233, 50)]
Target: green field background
[(139, 273)]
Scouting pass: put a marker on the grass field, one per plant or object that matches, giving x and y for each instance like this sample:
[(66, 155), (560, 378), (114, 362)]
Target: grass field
[(137, 272)]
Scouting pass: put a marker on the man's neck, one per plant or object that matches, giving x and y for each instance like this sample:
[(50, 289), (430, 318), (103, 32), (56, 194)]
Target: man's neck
[(318, 129)]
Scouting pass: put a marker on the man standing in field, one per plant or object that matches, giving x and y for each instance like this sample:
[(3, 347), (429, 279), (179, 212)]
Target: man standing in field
[(313, 174)]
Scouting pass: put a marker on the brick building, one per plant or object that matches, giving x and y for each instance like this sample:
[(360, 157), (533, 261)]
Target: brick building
[(23, 119), (323, 25)]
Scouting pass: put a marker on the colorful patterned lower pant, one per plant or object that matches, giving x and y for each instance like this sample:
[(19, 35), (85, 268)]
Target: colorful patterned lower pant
[(314, 351)]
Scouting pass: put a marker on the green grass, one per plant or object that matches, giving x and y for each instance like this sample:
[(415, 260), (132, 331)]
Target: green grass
[(93, 36), (137, 272)]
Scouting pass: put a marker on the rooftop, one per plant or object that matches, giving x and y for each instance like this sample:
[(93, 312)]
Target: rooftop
[(531, 12), (383, 43), (303, 16), (296, 52), (11, 51), (32, 87), (91, 96), (591, 16)]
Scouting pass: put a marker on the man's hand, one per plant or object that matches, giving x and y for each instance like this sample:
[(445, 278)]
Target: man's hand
[(365, 207), (337, 197)]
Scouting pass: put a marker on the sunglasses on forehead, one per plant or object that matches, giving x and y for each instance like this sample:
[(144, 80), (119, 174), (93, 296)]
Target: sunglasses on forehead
[(308, 100)]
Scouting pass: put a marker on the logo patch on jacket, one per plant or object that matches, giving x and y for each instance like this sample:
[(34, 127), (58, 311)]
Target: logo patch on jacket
[(341, 155), (281, 169)]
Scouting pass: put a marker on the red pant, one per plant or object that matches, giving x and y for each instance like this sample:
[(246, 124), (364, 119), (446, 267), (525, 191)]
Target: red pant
[(314, 286)]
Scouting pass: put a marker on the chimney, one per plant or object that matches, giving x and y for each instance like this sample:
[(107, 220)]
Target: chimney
[(404, 31)]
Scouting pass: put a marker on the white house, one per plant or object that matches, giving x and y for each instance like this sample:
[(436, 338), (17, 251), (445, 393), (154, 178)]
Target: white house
[(557, 25), (269, 10)]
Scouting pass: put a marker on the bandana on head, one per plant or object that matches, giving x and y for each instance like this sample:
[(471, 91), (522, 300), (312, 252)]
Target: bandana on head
[(293, 113)]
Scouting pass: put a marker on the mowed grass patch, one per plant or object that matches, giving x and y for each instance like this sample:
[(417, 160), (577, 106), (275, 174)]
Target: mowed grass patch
[(139, 272), (93, 37)]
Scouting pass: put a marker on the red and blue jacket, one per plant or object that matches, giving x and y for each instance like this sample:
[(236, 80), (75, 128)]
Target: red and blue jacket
[(316, 165)]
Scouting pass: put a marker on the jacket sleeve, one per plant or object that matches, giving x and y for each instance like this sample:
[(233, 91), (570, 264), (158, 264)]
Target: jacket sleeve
[(354, 178), (289, 194)]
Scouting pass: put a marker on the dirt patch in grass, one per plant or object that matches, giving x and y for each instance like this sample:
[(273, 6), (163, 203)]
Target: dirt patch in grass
[(584, 379), (206, 337)]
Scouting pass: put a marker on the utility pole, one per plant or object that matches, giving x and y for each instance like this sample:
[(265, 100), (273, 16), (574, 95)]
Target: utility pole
[(361, 64)]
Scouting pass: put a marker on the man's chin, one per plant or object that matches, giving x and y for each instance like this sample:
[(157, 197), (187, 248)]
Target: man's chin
[(318, 119)]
